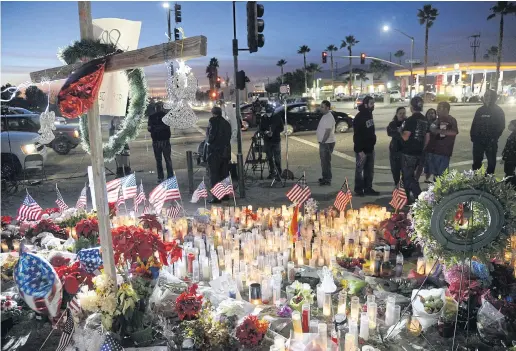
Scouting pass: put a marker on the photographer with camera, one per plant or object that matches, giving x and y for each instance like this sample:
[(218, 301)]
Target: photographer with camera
[(271, 127)]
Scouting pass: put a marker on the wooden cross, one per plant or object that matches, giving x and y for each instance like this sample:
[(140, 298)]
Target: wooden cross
[(191, 48)]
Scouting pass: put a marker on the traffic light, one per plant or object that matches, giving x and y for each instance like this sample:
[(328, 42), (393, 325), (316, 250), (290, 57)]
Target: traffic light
[(362, 58), (217, 85), (255, 26), (324, 56), (240, 80), (176, 34), (177, 11)]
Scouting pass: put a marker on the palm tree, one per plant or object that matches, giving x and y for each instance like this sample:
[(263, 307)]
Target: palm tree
[(303, 50), (502, 8), (491, 53), (427, 16), (331, 48), (312, 69), (212, 72), (399, 54), (280, 64), (363, 77), (349, 42)]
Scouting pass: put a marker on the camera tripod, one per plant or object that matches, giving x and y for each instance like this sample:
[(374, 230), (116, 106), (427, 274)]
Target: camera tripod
[(257, 159)]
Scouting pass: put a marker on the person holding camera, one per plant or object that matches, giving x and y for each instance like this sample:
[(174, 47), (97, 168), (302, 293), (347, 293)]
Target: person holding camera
[(271, 126)]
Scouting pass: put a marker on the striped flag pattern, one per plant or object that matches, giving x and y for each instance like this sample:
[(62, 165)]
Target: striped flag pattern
[(81, 202), (129, 187), (68, 330), (148, 210), (343, 198), (112, 189), (29, 210), (60, 201), (223, 188), (139, 198), (168, 190), (199, 193), (174, 211), (300, 192), (399, 197), (120, 200), (75, 306)]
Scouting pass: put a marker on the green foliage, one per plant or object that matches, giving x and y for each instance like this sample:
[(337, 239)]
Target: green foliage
[(82, 243), (86, 48), (378, 68)]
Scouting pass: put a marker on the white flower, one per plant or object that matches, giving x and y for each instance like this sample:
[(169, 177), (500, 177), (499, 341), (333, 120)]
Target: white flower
[(231, 307), (103, 283), (89, 300)]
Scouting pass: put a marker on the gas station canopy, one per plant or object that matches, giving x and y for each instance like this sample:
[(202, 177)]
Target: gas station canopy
[(467, 67)]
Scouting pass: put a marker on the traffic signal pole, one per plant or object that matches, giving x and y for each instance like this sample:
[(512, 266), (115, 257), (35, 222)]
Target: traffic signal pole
[(240, 158)]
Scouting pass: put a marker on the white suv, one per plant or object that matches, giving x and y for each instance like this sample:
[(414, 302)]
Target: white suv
[(16, 146), (395, 94)]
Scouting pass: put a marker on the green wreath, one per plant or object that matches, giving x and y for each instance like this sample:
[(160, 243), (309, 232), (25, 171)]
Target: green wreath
[(92, 49), (439, 224)]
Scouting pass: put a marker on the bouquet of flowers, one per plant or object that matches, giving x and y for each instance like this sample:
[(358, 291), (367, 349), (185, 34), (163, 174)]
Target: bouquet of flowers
[(251, 331), (302, 294), (149, 270), (470, 288), (87, 232), (47, 225), (112, 210), (51, 210), (73, 276), (6, 220), (188, 304), (151, 222), (395, 230)]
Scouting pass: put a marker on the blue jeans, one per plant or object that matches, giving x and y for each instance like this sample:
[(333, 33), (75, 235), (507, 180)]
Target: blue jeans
[(364, 172), (437, 164), (325, 151)]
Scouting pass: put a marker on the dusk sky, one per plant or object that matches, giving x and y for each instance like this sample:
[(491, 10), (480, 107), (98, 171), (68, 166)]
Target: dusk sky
[(32, 32)]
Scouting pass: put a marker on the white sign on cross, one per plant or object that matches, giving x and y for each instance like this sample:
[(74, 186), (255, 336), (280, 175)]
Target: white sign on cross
[(190, 48)]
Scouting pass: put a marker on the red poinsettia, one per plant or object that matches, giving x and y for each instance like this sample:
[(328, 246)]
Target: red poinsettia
[(189, 304), (6, 220), (50, 210), (112, 210), (251, 332), (87, 227), (73, 276), (150, 221), (135, 243), (47, 225), (395, 229), (59, 261)]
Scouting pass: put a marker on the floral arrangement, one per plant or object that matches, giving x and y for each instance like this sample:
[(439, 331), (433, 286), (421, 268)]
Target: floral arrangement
[(188, 304), (70, 217), (251, 331), (302, 294), (284, 311), (102, 299), (112, 210), (250, 214), (135, 243), (311, 206), (396, 229), (46, 225), (9, 308), (151, 222), (8, 267), (471, 286), (6, 220), (148, 270), (50, 211), (73, 276), (451, 182), (87, 227)]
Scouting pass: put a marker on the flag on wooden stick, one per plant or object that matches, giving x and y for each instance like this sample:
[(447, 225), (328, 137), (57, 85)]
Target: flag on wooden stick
[(300, 192), (60, 201), (344, 197), (399, 197)]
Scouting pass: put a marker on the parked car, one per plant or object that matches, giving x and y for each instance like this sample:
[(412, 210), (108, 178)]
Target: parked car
[(301, 116), (396, 95), (16, 146), (66, 137), (359, 100), (428, 96)]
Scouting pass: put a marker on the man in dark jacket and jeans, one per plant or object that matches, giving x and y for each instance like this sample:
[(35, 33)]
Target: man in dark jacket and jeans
[(272, 126), (487, 127), (160, 134), (218, 138), (364, 138)]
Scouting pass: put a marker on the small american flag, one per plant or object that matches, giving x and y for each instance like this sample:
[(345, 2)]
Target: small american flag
[(112, 188), (343, 198), (111, 344), (68, 330), (199, 193), (29, 210), (223, 188), (120, 199), (168, 190), (60, 201), (129, 187), (81, 202), (75, 306), (300, 192), (148, 210), (399, 197), (174, 211), (139, 198)]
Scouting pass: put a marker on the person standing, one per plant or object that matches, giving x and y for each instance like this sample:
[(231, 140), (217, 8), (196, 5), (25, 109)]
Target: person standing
[(487, 127), (326, 139), (218, 139), (272, 126), (509, 155), (160, 134), (393, 130), (442, 139), (364, 139), (431, 115), (415, 135)]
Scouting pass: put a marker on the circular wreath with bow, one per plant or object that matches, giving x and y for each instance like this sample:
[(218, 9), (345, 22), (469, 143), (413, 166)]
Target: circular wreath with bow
[(81, 89)]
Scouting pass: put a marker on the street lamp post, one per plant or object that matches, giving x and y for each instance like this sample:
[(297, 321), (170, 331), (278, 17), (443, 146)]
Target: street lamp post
[(386, 29), (166, 6)]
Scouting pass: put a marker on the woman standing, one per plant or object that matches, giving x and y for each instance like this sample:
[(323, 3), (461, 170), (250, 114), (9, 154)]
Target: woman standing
[(431, 116), (393, 130)]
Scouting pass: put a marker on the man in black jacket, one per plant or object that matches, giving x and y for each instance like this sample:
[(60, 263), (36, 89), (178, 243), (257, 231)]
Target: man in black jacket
[(487, 127), (218, 138), (160, 134), (364, 138), (272, 126)]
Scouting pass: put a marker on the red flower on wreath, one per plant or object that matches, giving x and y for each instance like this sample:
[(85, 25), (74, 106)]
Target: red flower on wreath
[(87, 227), (133, 243), (189, 304), (251, 332)]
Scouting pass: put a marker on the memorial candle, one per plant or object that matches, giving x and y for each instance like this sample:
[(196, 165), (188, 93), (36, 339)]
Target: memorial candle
[(364, 326), (343, 297), (323, 335), (305, 318), (296, 322), (349, 344), (372, 313), (327, 305), (355, 308)]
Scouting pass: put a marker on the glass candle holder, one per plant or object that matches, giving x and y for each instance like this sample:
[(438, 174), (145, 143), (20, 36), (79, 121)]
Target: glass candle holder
[(320, 296), (327, 305), (364, 326), (305, 318), (314, 326), (355, 308), (349, 342), (343, 299), (296, 322), (255, 294), (323, 335), (371, 298), (420, 265), (389, 310), (372, 313), (397, 313), (291, 272)]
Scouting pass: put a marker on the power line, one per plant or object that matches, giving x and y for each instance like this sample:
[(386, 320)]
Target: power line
[(474, 44)]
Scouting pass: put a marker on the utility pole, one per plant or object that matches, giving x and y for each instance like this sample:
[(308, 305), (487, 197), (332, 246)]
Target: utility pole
[(240, 158), (474, 44)]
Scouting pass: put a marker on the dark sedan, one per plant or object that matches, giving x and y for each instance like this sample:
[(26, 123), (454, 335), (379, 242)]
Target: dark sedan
[(301, 116)]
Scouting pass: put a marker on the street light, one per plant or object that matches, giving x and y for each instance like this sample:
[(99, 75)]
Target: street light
[(166, 5), (386, 29)]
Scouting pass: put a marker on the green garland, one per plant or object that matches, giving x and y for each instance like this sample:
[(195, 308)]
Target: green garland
[(448, 184), (93, 49)]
